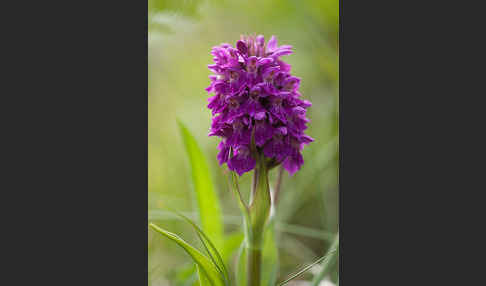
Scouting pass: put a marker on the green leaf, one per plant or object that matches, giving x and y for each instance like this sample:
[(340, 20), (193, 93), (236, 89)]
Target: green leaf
[(207, 199), (270, 263), (205, 264), (211, 250), (203, 279), (332, 255)]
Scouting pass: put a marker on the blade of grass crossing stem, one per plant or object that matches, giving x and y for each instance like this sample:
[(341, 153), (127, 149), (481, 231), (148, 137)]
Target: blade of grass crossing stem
[(207, 199), (204, 263), (333, 252), (303, 270), (213, 253), (212, 259), (236, 220), (270, 257), (327, 259)]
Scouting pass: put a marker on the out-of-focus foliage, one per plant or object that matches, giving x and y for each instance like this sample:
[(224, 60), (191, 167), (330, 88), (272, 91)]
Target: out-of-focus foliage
[(181, 34), (207, 198)]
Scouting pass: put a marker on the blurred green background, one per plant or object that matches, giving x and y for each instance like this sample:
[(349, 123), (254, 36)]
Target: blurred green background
[(181, 35)]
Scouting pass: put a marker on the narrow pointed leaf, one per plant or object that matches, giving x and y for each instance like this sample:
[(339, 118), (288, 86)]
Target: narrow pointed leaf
[(207, 199), (213, 260), (213, 253), (203, 278), (203, 262)]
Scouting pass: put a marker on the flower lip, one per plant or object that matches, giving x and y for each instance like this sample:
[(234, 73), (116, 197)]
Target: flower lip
[(291, 83)]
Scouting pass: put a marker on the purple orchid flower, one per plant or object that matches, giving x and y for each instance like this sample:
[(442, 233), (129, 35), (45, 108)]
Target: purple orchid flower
[(256, 101)]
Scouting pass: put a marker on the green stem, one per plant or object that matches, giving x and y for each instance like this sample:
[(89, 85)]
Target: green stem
[(254, 266), (259, 212)]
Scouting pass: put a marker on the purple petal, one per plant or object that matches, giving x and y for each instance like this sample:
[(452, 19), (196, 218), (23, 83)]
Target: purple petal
[(263, 132), (223, 153), (292, 163), (260, 40), (272, 44), (242, 161)]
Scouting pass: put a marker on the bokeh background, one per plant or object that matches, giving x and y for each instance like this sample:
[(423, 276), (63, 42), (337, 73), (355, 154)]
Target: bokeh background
[(181, 35)]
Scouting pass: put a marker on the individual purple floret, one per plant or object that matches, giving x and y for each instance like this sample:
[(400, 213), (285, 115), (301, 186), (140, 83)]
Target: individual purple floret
[(256, 101)]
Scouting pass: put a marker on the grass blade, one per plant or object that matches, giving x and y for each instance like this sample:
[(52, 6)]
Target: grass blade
[(303, 270), (328, 259), (205, 264), (328, 263), (207, 199)]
